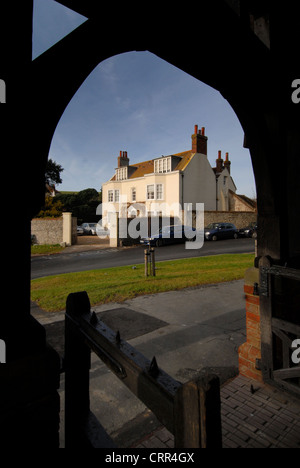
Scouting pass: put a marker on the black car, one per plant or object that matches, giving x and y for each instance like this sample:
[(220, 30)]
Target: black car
[(216, 231), (249, 231), (169, 235)]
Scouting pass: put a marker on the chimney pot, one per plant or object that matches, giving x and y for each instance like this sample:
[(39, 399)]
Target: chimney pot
[(203, 131), (123, 159), (219, 163), (199, 141), (227, 163)]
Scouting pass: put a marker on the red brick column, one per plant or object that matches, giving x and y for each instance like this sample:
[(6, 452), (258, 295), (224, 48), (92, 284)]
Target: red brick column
[(250, 351)]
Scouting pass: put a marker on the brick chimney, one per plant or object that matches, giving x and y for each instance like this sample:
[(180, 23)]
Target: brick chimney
[(219, 163), (199, 141), (123, 160), (227, 162)]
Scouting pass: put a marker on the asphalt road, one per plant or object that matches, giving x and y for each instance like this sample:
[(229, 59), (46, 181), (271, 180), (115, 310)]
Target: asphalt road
[(104, 258)]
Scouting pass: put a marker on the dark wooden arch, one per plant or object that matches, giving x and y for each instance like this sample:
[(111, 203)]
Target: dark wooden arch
[(217, 42)]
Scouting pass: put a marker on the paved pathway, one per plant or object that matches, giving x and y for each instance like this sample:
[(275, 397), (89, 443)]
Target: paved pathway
[(267, 418)]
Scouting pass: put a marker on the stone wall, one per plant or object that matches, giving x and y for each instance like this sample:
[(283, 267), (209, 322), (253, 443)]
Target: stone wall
[(239, 218), (55, 230), (47, 230)]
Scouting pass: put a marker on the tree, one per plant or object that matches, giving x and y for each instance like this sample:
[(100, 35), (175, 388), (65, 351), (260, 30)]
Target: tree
[(52, 209), (82, 204), (52, 174)]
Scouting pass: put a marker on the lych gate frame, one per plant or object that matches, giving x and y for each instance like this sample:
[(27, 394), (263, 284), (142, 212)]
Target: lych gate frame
[(249, 65)]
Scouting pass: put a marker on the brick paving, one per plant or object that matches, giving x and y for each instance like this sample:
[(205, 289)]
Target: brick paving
[(262, 418)]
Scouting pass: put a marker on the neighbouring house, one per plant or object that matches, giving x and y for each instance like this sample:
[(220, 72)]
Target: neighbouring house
[(241, 203), (51, 190), (174, 180)]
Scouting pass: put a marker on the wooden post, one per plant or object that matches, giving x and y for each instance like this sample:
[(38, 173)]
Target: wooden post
[(146, 252), (197, 414), (265, 305), (152, 253), (77, 367)]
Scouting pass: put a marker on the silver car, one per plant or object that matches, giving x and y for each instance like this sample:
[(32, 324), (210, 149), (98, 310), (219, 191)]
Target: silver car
[(89, 228)]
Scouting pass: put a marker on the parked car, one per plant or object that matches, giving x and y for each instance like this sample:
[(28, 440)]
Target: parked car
[(80, 231), (89, 228), (216, 231), (169, 235), (102, 231), (249, 231)]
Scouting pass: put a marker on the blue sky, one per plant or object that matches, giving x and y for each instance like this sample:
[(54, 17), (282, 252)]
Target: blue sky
[(138, 103)]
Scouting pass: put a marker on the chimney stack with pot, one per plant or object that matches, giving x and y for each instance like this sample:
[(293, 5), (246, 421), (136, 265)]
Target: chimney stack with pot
[(199, 141), (123, 160), (227, 162), (219, 163)]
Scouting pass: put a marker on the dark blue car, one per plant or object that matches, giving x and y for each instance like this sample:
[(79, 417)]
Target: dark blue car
[(216, 231), (169, 235)]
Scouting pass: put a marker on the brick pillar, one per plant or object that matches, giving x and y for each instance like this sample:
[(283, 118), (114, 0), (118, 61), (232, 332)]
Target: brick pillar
[(250, 351)]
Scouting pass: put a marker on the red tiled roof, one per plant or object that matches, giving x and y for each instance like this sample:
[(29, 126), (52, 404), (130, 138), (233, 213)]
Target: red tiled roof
[(143, 168), (147, 167)]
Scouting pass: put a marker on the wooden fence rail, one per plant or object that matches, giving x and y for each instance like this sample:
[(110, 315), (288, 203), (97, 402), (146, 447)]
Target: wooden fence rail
[(190, 411)]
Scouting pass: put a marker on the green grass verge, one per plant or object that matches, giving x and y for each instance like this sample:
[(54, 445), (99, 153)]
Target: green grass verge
[(121, 283), (43, 249)]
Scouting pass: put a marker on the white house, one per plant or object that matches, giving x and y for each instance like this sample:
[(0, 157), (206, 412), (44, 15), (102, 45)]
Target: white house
[(170, 181)]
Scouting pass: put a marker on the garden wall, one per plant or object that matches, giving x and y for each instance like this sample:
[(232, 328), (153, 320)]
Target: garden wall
[(239, 218), (54, 230)]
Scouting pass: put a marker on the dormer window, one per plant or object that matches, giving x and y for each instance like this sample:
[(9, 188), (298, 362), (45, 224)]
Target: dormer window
[(122, 173), (162, 165)]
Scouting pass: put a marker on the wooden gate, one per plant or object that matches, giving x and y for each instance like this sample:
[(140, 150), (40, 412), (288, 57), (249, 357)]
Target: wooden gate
[(191, 411), (280, 325)]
